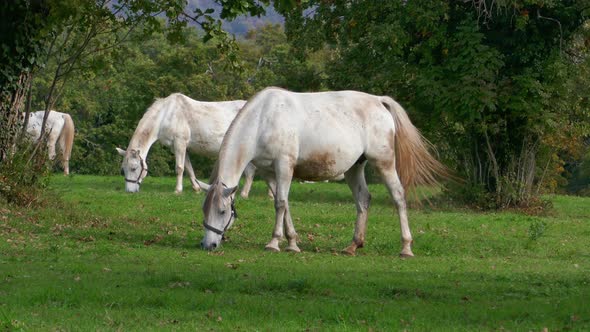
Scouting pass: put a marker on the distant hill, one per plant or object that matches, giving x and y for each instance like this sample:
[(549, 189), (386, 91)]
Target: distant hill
[(241, 24)]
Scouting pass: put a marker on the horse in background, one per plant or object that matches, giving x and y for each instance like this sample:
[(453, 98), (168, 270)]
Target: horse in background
[(181, 123), (317, 136), (60, 131)]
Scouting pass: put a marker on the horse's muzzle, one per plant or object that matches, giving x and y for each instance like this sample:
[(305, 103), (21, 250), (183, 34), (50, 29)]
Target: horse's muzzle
[(210, 246), (132, 188)]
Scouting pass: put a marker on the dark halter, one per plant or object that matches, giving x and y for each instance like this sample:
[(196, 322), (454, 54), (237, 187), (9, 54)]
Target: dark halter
[(233, 214), (143, 169)]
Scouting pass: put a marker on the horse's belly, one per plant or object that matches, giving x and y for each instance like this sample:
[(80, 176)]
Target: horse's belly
[(204, 148), (322, 166)]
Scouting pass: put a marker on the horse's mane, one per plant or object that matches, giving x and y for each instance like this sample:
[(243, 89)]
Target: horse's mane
[(215, 190), (155, 106), (250, 104), (214, 172), (147, 122)]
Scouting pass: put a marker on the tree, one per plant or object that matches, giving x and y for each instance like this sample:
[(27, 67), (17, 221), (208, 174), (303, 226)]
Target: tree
[(76, 35), (106, 104), (489, 86), (18, 58)]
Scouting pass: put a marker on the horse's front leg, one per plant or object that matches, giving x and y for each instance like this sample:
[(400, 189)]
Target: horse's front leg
[(180, 154), (191, 173), (272, 187), (248, 178), (290, 231), (284, 175), (278, 232)]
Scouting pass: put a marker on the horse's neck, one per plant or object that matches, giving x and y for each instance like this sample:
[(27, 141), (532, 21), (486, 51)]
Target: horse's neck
[(144, 137), (237, 152)]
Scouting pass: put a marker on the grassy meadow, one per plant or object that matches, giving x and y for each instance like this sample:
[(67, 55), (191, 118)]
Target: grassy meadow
[(102, 259)]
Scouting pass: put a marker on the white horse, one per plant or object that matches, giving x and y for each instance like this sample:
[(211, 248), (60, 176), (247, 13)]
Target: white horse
[(60, 129), (317, 136), (182, 123)]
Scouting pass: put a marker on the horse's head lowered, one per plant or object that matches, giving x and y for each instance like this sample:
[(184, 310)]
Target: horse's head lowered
[(134, 168), (220, 214)]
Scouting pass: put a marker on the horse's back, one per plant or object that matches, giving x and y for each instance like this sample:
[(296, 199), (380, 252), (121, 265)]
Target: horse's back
[(324, 118), (54, 125), (324, 133), (201, 124)]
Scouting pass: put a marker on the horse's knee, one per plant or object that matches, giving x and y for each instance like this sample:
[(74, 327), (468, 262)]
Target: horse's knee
[(280, 203)]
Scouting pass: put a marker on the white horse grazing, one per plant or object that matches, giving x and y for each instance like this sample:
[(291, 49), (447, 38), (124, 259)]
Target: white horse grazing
[(60, 129), (182, 123), (317, 136)]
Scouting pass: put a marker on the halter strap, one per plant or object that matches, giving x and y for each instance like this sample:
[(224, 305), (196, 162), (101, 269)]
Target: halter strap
[(143, 169), (233, 214)]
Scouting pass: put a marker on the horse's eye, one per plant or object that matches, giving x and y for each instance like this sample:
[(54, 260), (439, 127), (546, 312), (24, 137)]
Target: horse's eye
[(222, 212)]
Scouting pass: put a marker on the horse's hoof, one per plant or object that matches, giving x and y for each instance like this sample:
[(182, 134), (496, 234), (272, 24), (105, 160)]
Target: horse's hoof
[(271, 248), (406, 255), (244, 196), (292, 249), (349, 252)]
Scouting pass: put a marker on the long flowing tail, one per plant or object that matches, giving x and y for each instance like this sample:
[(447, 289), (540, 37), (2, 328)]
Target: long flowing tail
[(414, 163), (66, 140)]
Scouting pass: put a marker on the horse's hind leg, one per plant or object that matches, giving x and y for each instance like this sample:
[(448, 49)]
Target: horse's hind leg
[(248, 178), (355, 178), (51, 143), (191, 173), (65, 160), (392, 181)]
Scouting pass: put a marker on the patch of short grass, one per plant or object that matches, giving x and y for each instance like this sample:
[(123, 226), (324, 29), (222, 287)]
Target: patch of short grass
[(103, 259)]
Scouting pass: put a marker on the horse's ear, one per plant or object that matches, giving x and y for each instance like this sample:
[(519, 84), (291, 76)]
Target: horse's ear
[(203, 185), (229, 191), (121, 152)]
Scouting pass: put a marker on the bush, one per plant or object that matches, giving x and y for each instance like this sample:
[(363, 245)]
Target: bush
[(24, 174), (579, 182)]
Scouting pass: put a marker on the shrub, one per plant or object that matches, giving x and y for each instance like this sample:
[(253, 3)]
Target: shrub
[(24, 174)]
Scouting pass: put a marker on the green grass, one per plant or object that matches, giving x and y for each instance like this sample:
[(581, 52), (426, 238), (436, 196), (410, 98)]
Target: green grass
[(107, 260)]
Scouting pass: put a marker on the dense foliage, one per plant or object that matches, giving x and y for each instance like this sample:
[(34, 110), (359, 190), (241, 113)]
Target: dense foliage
[(62, 41), (503, 92), (499, 86), (107, 104)]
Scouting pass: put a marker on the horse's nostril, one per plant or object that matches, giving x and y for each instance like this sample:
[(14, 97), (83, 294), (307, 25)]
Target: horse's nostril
[(214, 245)]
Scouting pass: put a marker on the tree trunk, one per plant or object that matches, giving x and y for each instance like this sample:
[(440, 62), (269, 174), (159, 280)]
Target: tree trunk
[(10, 109)]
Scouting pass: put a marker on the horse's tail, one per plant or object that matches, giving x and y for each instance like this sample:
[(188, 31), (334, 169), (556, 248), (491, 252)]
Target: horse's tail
[(415, 164), (66, 141)]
